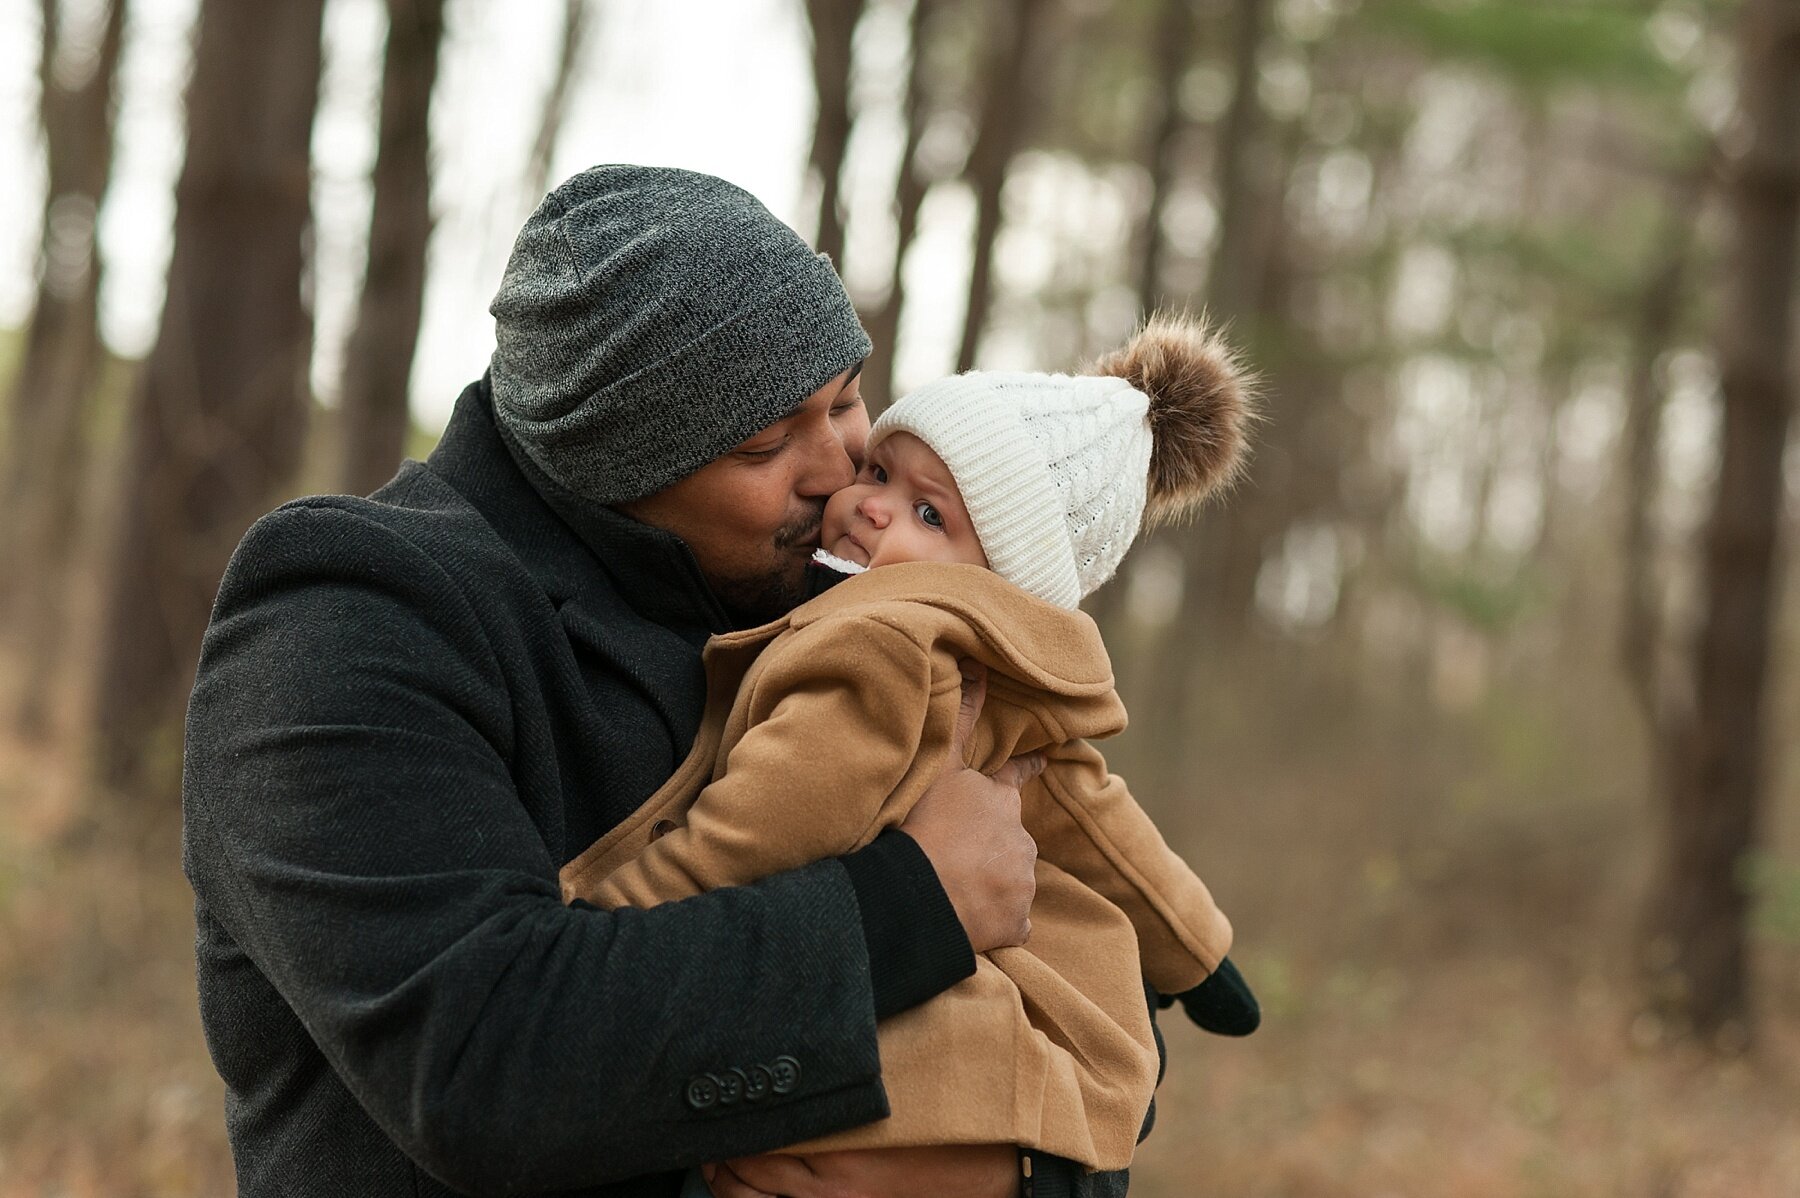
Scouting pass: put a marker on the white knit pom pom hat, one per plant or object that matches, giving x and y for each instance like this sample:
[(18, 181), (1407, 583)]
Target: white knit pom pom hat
[(1051, 468), (1057, 471)]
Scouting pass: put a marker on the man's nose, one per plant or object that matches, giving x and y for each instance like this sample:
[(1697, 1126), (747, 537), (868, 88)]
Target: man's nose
[(828, 467)]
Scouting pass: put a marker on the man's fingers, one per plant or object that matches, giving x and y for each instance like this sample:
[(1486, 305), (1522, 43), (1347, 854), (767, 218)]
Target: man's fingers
[(775, 1175), (974, 694), (1021, 769), (725, 1183)]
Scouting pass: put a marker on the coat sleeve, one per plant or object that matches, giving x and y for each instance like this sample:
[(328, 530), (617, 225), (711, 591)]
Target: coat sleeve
[(351, 822), (837, 721), (1087, 823)]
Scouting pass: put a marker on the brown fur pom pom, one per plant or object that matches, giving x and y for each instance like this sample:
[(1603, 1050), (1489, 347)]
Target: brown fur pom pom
[(1201, 406)]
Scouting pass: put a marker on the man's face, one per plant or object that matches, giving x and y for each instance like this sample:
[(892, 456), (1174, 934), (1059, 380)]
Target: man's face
[(752, 516), (903, 507)]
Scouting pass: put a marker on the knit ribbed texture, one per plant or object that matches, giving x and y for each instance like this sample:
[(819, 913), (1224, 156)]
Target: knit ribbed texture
[(1053, 469), (651, 319), (917, 945)]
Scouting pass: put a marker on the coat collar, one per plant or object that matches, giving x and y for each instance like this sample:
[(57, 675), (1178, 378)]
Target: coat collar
[(629, 593), (563, 538), (974, 610)]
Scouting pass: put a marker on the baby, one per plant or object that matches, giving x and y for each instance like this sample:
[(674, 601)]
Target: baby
[(989, 505)]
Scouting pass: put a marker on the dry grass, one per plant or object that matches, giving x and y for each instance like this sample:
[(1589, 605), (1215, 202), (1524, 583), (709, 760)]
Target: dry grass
[(1438, 909), (105, 1086), (1475, 1078), (1435, 908)]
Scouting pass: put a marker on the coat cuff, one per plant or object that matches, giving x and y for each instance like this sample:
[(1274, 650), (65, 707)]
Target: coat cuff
[(1042, 1175), (917, 946)]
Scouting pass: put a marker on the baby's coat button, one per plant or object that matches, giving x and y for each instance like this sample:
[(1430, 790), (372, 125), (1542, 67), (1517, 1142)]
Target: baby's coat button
[(662, 828)]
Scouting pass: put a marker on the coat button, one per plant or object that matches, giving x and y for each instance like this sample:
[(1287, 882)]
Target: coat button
[(703, 1092), (784, 1075), (662, 828), (759, 1084), (732, 1084)]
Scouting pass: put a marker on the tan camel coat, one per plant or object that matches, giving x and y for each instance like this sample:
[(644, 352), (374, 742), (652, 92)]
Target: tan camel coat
[(823, 728)]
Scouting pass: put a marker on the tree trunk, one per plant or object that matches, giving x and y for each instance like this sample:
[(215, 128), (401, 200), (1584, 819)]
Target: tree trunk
[(1258, 262), (833, 30), (1659, 310), (1222, 556), (54, 383), (1231, 278), (1697, 958), (909, 197), (556, 100), (218, 415), (378, 359), (1171, 53), (1001, 131), (1557, 386)]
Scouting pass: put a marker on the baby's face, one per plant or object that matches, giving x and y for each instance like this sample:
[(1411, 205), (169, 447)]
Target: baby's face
[(903, 507)]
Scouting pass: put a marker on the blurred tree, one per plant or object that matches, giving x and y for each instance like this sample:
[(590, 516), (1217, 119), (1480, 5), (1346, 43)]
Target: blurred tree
[(1006, 104), (1171, 52), (1658, 318), (378, 358), (1698, 954), (1481, 118), (1537, 46), (1246, 287), (218, 415), (573, 38), (833, 24), (47, 445), (1240, 184), (910, 188)]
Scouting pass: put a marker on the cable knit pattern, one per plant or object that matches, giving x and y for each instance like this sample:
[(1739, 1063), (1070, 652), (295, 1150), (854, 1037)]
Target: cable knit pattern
[(1053, 469)]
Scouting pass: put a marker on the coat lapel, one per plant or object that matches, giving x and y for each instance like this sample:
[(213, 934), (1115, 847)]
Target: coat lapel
[(626, 594), (663, 666)]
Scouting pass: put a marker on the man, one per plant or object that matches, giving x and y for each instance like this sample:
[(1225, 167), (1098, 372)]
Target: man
[(411, 710)]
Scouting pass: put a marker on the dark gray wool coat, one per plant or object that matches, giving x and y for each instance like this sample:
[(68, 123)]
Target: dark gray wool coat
[(411, 711)]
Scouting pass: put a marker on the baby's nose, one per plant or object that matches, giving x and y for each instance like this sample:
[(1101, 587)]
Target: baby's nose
[(872, 510)]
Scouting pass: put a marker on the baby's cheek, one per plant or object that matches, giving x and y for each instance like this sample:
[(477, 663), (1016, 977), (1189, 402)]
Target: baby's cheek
[(906, 544), (837, 514)]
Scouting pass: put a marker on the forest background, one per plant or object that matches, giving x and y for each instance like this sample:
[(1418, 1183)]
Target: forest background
[(1478, 704)]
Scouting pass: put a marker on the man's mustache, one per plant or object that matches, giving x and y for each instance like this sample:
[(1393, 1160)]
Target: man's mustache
[(798, 533)]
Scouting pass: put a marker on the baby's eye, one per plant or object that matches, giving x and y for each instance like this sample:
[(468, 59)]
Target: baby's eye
[(877, 473), (928, 514)]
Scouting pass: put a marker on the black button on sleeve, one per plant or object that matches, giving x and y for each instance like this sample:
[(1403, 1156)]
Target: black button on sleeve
[(703, 1092), (786, 1074)]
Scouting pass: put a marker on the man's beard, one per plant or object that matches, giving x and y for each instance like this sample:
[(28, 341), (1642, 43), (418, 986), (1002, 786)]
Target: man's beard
[(759, 598)]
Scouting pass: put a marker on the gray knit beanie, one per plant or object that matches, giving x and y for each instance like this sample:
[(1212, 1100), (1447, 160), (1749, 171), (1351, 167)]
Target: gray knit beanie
[(649, 320)]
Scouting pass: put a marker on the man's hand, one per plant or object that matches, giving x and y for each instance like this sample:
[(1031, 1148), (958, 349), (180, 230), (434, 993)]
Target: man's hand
[(969, 826), (952, 1171)]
